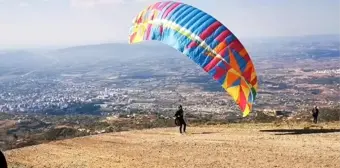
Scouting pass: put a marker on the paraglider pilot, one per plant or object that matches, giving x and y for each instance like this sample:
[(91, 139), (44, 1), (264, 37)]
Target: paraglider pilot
[(315, 113), (180, 118)]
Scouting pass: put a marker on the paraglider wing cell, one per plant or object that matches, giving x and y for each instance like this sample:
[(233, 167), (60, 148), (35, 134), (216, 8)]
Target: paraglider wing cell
[(204, 40)]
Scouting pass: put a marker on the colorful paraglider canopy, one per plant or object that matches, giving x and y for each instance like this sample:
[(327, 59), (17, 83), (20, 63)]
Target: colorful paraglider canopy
[(204, 40)]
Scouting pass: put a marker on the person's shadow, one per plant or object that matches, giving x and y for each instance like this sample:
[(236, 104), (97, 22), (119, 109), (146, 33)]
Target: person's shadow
[(3, 163), (301, 131), (203, 132)]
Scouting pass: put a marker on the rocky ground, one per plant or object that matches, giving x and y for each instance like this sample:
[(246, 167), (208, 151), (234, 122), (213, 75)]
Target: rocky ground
[(234, 145)]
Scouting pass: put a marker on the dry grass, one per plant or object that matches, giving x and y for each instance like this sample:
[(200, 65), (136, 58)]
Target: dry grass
[(234, 145)]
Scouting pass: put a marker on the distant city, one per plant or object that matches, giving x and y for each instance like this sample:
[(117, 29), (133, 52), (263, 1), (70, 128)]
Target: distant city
[(108, 79)]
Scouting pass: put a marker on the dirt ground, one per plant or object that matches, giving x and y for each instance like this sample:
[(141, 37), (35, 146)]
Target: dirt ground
[(7, 124), (236, 145)]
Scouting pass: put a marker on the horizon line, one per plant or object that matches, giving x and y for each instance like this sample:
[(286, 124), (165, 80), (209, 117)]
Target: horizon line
[(51, 46)]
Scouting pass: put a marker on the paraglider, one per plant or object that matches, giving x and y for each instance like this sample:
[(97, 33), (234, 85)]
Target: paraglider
[(206, 41)]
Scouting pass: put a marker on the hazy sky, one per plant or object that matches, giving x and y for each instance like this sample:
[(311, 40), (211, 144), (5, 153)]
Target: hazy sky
[(33, 23)]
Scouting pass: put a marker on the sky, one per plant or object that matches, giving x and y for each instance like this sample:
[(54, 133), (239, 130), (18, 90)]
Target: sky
[(38, 23)]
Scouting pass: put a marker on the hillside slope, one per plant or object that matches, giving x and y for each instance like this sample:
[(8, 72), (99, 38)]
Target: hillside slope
[(208, 146)]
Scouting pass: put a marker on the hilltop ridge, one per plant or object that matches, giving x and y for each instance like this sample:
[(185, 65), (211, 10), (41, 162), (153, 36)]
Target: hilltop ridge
[(234, 145)]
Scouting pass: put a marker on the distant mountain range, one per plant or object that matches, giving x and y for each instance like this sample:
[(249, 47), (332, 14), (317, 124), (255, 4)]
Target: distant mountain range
[(112, 53), (79, 55)]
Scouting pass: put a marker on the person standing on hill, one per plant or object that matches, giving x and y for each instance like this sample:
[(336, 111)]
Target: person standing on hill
[(3, 163), (180, 117), (315, 113)]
